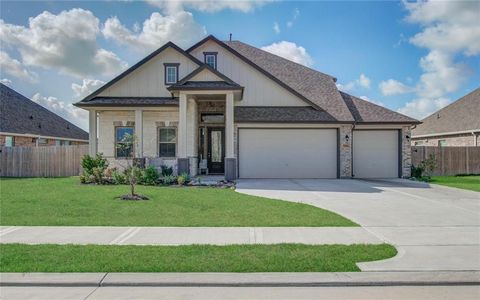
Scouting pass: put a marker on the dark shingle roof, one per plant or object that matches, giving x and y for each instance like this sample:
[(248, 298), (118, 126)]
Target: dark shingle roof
[(461, 115), (318, 88), (21, 115), (293, 114), (367, 112), (211, 85), (129, 101)]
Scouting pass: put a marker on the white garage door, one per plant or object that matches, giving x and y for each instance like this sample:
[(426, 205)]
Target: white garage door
[(287, 153), (375, 153)]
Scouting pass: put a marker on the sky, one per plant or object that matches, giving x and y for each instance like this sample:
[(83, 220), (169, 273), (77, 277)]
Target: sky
[(412, 57)]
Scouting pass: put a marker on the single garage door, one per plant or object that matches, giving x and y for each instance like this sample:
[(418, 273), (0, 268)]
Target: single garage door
[(287, 153), (375, 153)]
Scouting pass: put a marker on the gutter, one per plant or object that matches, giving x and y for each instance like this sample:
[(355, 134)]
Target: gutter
[(472, 131)]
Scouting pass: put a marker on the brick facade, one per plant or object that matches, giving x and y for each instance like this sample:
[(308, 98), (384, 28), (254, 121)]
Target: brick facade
[(346, 151), (24, 141), (451, 140), (406, 152)]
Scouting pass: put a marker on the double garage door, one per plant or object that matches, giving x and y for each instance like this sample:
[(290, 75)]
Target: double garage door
[(313, 153)]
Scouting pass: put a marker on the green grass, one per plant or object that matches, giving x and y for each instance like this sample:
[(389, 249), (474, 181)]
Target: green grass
[(463, 182), (194, 258), (64, 202)]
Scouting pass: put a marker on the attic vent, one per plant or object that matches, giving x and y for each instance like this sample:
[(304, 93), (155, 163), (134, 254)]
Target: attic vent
[(68, 126), (438, 116), (39, 125), (31, 117)]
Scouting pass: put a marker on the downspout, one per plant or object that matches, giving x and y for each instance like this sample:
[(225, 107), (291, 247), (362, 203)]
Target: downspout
[(351, 149)]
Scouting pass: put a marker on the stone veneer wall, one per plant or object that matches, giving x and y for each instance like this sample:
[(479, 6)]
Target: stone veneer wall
[(406, 152), (345, 151), (452, 140)]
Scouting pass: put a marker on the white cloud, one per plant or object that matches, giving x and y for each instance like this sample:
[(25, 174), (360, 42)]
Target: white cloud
[(65, 42), (15, 68), (290, 51), (392, 87), (276, 27), (296, 14), (422, 107), (449, 29), (179, 27), (210, 6), (66, 110), (362, 82), (6, 81), (88, 86)]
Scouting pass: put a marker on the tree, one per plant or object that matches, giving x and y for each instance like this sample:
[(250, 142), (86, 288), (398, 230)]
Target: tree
[(132, 171)]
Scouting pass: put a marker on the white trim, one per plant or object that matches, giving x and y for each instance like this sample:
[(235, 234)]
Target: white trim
[(440, 134), (41, 136), (287, 125)]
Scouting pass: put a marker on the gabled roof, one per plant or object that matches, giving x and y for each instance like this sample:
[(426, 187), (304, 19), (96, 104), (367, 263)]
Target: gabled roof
[(139, 64), (23, 116), (316, 88), (187, 82), (461, 115), (367, 112)]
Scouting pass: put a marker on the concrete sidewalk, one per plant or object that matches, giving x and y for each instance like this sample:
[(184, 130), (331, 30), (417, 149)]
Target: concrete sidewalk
[(240, 279), (185, 235)]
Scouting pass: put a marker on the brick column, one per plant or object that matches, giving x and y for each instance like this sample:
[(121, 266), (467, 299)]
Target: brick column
[(345, 144)]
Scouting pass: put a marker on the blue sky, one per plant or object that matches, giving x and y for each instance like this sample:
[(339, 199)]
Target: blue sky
[(410, 57)]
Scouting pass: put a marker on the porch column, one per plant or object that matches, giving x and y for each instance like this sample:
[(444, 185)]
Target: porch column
[(230, 160), (92, 132), (139, 133), (183, 165), (192, 134)]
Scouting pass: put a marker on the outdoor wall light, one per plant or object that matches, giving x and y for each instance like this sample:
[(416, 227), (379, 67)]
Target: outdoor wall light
[(407, 137), (347, 137)]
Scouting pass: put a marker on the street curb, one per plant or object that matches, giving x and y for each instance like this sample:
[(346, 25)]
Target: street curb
[(358, 279)]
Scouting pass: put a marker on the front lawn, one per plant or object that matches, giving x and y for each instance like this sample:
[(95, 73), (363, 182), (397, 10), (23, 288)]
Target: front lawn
[(193, 258), (64, 202), (463, 182)]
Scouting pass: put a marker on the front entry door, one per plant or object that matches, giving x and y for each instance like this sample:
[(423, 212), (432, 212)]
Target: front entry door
[(216, 150)]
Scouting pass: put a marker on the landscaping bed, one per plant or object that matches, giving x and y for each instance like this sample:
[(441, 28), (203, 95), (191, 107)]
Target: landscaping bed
[(66, 202), (192, 258)]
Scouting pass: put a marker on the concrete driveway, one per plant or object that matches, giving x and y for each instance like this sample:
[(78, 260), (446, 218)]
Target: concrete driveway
[(434, 228)]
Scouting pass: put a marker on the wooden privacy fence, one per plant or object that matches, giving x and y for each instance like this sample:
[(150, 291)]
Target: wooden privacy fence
[(450, 160), (48, 161)]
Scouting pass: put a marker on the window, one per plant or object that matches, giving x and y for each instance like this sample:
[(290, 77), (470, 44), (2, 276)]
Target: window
[(58, 142), (210, 58), (442, 143), (67, 143), (171, 73), (212, 118), (9, 141), (42, 141), (120, 134), (167, 142)]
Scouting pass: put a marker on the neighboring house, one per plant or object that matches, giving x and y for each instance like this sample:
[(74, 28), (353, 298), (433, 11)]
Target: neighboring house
[(457, 124), (24, 123), (240, 111)]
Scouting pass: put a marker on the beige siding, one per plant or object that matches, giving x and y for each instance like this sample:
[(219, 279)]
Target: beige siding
[(108, 119), (259, 89), (206, 75), (148, 80)]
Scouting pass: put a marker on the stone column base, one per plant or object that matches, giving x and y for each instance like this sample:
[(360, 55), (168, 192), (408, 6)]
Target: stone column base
[(230, 169), (183, 165), (193, 161)]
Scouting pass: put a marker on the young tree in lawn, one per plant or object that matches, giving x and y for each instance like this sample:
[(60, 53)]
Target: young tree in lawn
[(132, 172)]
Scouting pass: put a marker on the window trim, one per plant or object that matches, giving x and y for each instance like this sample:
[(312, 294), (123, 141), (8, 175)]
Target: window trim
[(165, 67), (214, 54), (158, 141), (116, 142)]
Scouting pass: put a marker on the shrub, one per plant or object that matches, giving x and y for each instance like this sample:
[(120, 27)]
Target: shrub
[(118, 177), (417, 172), (150, 176), (166, 170), (183, 178), (93, 169), (429, 164), (169, 179)]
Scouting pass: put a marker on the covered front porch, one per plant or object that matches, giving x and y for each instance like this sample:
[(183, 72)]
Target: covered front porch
[(192, 133)]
